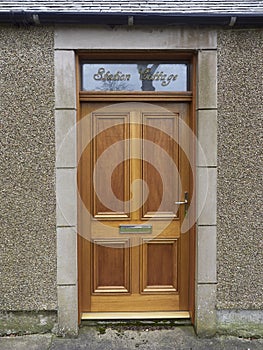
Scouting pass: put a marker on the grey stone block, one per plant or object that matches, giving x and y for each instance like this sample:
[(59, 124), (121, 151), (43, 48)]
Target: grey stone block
[(66, 138), (65, 79), (205, 310), (66, 189), (68, 311), (66, 255), (207, 79), (207, 137), (206, 254), (206, 196)]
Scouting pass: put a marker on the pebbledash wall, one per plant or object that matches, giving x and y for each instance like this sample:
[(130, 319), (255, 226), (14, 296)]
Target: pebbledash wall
[(27, 176), (38, 107), (239, 186)]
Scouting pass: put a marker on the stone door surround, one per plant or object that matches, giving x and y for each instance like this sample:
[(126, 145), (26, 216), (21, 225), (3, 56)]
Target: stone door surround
[(67, 41)]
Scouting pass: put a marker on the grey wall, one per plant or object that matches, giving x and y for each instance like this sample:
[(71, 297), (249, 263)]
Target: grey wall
[(27, 206), (240, 115)]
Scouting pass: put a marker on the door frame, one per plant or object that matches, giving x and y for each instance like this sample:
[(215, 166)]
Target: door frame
[(148, 97), (202, 41)]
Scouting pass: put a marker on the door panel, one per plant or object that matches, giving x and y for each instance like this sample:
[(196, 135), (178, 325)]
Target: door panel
[(131, 171), (107, 131), (160, 130), (159, 265), (111, 266)]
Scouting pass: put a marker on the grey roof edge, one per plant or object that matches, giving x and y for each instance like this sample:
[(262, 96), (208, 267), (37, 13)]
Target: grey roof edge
[(28, 17), (137, 13), (135, 6)]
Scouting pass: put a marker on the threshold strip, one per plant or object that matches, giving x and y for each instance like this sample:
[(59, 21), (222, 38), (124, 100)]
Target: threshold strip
[(134, 315)]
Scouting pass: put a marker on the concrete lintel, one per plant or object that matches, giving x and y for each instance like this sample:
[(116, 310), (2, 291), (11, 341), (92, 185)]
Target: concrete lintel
[(134, 38)]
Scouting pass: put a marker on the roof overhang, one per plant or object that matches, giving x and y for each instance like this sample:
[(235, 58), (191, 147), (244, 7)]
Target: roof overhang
[(158, 19)]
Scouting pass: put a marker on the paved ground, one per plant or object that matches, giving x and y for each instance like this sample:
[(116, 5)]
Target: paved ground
[(143, 338)]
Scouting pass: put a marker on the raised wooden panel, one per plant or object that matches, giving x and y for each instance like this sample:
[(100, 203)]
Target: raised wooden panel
[(161, 172), (111, 266), (135, 302), (111, 174), (159, 265)]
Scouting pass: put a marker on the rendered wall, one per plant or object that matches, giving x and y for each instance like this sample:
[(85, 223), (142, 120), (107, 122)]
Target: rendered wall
[(27, 140), (239, 206)]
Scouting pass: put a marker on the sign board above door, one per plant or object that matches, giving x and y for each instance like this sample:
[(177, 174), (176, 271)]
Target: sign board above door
[(135, 76)]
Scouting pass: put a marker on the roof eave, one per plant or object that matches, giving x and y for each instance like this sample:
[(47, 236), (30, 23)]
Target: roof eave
[(217, 19)]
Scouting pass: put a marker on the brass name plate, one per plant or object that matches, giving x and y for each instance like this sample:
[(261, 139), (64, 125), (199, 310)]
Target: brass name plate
[(135, 229)]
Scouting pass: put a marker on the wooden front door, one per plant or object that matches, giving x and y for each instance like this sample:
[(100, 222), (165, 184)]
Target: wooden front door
[(133, 168)]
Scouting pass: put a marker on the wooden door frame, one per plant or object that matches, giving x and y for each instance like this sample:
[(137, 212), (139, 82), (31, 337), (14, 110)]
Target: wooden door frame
[(187, 97)]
